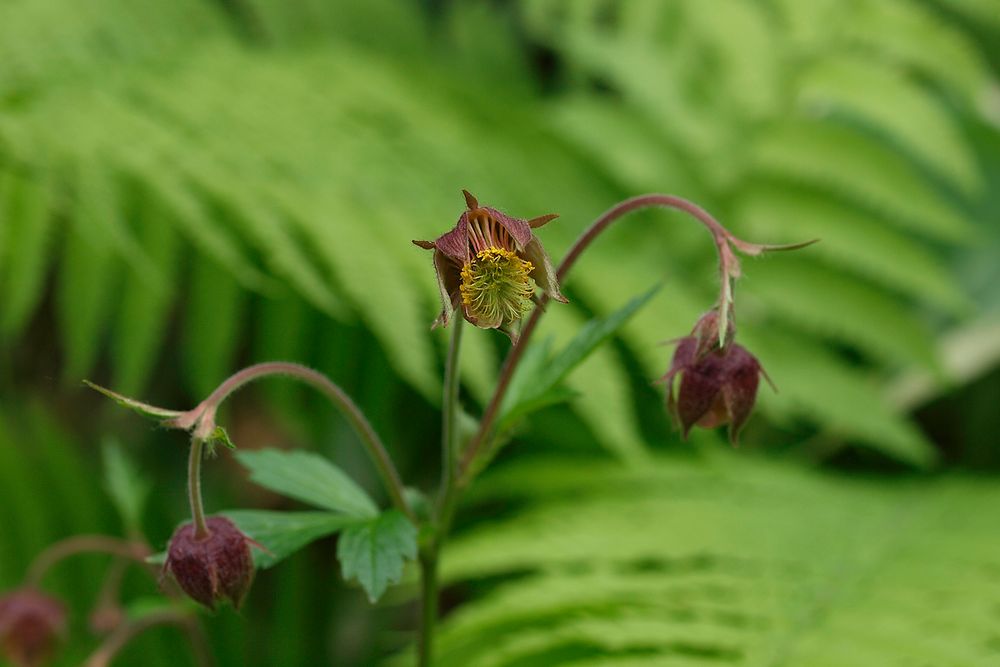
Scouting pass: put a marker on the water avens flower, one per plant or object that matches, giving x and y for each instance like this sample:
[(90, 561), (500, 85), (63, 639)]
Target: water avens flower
[(490, 265), (718, 382), (31, 623), (214, 567)]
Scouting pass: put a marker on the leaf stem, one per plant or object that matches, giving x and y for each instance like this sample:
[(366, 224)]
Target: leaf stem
[(728, 268), (202, 418), (194, 487)]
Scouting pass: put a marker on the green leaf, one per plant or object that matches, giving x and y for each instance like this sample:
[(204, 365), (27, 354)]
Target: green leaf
[(283, 533), (536, 383), (125, 485), (373, 553), (310, 478)]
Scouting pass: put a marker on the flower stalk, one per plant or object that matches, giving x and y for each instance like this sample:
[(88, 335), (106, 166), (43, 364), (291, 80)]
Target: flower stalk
[(729, 269), (195, 455)]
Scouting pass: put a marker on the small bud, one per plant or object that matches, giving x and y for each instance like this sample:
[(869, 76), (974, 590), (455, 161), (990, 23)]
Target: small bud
[(31, 623), (212, 568), (718, 384)]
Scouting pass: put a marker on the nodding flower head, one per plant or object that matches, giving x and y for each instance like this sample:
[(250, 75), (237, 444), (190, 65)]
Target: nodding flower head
[(31, 623), (718, 383), (214, 567), (490, 265)]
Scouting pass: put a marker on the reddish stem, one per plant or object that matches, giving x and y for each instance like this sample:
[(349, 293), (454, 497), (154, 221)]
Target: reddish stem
[(727, 268)]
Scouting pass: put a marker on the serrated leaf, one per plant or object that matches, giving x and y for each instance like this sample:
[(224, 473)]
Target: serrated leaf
[(374, 553), (309, 478), (283, 533), (125, 485)]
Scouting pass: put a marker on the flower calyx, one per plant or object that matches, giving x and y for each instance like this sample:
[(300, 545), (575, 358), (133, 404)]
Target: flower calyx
[(717, 382), (490, 265)]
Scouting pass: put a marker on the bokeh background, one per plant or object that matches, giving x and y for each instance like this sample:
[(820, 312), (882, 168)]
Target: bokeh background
[(189, 186)]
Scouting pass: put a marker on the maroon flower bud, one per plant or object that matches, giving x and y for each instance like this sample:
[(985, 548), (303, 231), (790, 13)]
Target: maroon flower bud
[(490, 264), (31, 623), (718, 384), (212, 568)]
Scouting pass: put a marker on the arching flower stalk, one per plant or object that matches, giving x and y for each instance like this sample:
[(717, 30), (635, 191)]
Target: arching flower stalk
[(490, 265)]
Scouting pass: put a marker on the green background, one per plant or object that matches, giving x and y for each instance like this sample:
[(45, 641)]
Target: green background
[(187, 187)]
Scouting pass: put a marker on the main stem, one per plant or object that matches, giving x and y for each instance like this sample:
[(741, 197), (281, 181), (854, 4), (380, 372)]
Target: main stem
[(428, 602), (194, 488), (720, 235), (449, 452), (449, 411)]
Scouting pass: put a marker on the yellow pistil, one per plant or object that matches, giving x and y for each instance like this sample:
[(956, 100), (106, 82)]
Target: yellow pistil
[(497, 286)]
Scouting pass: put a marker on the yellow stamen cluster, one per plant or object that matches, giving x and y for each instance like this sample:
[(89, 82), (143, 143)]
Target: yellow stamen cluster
[(497, 286)]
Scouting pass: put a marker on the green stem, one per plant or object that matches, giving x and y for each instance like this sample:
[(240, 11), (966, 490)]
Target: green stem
[(204, 417), (449, 459), (194, 488), (449, 412), (428, 606)]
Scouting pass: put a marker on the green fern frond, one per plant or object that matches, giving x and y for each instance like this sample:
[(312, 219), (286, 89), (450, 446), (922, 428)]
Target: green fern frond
[(736, 562)]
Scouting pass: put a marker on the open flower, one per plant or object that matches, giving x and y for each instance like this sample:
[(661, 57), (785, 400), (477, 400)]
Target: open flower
[(490, 264), (31, 623), (718, 383)]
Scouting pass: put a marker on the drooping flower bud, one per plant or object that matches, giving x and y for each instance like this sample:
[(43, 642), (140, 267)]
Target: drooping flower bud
[(31, 624), (212, 568), (718, 383), (490, 264)]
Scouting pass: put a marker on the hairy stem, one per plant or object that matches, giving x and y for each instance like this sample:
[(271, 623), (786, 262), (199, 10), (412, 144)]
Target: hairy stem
[(727, 268), (79, 544), (204, 416), (194, 488)]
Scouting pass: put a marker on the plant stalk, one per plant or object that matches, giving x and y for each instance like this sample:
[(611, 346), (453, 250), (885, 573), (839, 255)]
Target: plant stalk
[(204, 417), (428, 604), (449, 412), (194, 488)]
